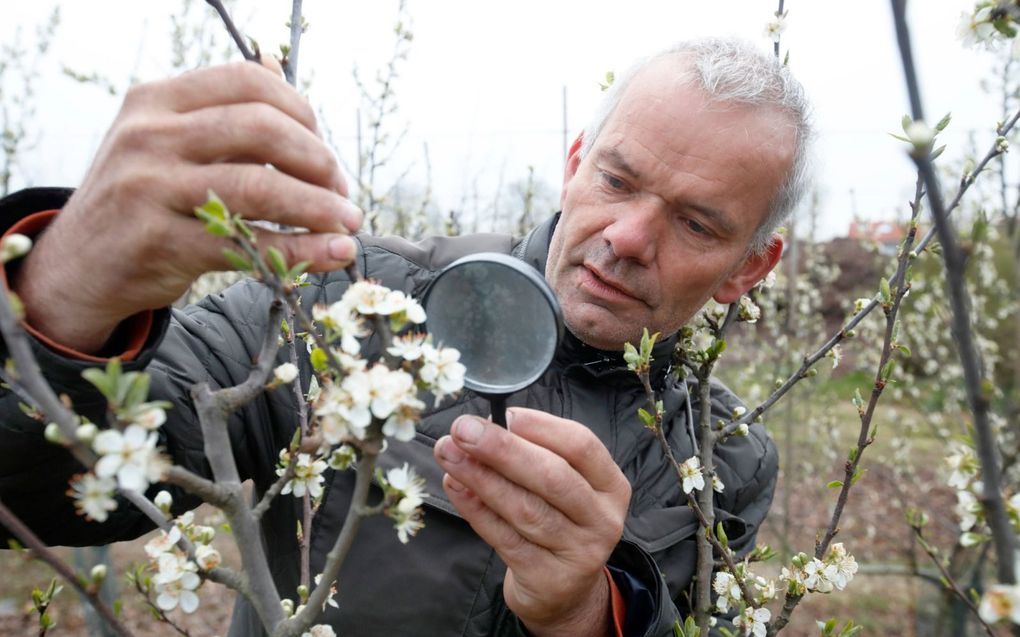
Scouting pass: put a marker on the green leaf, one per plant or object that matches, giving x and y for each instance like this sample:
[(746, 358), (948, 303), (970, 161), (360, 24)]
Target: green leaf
[(899, 137), (857, 400), (905, 122), (276, 260), (237, 261), (244, 229), (835, 484), (118, 606), (646, 418), (298, 269), (857, 476), (102, 382), (218, 228), (720, 534), (935, 154), (941, 126), (319, 359), (138, 390), (888, 368), (883, 287), (903, 349), (213, 208)]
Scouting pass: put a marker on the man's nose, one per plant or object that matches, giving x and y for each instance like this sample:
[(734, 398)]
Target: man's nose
[(634, 232)]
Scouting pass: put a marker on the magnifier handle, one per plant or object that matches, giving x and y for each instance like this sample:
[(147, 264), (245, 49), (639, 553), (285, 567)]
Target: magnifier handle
[(497, 404)]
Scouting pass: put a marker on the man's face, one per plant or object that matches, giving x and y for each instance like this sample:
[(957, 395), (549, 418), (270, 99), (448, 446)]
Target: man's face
[(658, 217)]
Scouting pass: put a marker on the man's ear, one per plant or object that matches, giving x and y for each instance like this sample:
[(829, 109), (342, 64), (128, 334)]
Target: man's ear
[(570, 169), (753, 269)]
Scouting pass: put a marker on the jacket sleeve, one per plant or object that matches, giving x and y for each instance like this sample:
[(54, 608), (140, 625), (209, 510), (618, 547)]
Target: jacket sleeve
[(215, 341)]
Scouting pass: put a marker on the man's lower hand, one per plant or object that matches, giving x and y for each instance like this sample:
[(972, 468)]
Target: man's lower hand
[(548, 497)]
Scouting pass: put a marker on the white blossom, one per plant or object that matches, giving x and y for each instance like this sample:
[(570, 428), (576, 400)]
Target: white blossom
[(702, 339), (727, 590), (163, 543), (128, 455), (307, 477), (149, 417), (976, 29), (968, 508), (206, 557), (964, 466), (285, 373), (691, 472), (330, 599), (1000, 601), (748, 310), (405, 486), (775, 27), (753, 621), (407, 347), (319, 630), (442, 372), (93, 497), (717, 484), (836, 354)]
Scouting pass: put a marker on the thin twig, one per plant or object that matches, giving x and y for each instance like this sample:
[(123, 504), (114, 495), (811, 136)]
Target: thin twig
[(297, 24), (356, 512), (865, 434), (947, 580), (234, 33), (1003, 536), (162, 616), (30, 540)]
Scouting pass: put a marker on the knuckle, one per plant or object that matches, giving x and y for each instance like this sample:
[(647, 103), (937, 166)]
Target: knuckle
[(534, 512)]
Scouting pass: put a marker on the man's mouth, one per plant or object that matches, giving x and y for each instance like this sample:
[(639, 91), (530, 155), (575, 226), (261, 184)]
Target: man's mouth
[(605, 286)]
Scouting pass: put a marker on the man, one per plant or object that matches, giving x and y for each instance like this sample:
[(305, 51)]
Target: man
[(568, 523)]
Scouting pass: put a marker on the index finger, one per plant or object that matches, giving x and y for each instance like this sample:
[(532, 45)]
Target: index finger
[(570, 440), (234, 83)]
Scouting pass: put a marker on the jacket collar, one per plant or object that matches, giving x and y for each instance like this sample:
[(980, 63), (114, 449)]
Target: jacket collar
[(533, 249)]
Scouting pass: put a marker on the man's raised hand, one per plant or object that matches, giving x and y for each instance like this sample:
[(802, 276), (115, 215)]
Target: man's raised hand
[(127, 240)]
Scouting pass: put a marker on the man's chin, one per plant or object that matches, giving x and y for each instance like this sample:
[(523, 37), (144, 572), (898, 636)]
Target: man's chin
[(609, 338)]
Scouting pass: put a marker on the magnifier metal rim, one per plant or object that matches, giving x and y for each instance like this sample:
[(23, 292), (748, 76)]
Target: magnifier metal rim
[(540, 285)]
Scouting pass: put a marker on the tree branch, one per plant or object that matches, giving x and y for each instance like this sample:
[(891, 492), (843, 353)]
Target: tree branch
[(998, 520), (30, 540)]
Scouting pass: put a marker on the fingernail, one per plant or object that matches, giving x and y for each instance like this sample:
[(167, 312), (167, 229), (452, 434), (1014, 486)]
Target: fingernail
[(341, 248), (468, 429), (453, 485), (509, 418), (355, 217), (448, 450)]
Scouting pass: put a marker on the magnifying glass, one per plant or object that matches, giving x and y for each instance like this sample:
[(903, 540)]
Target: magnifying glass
[(502, 316)]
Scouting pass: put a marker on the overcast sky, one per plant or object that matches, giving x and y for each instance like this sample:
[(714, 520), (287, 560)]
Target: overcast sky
[(484, 81)]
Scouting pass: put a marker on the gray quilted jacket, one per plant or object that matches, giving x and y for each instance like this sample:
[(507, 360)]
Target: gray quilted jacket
[(446, 581)]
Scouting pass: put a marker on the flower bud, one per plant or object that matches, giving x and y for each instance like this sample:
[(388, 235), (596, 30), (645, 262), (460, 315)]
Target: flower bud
[(288, 607), (285, 373), (920, 135), (53, 434), (739, 411), (302, 592), (86, 433), (207, 557), (742, 430), (98, 573), (811, 373), (14, 246), (164, 501)]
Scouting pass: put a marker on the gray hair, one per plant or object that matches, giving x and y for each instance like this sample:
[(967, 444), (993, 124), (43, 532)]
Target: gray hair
[(734, 71)]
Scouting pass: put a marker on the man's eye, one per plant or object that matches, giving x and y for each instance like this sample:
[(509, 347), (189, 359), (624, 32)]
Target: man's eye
[(613, 181), (696, 227)]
